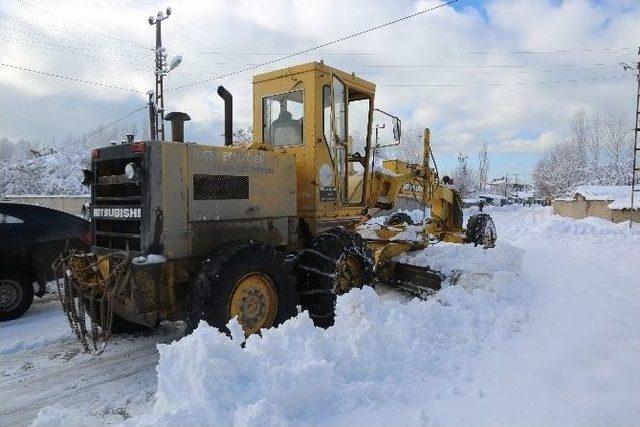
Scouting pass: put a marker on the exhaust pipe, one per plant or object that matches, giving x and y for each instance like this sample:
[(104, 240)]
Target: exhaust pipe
[(177, 120), (228, 114)]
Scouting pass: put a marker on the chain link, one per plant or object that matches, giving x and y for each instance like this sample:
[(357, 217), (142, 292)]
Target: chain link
[(83, 291)]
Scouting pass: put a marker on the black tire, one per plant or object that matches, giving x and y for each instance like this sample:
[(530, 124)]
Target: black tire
[(213, 288), (318, 266), (481, 231), (398, 218), (16, 294)]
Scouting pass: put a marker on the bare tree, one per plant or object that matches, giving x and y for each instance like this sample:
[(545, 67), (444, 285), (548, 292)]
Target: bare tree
[(597, 151), (463, 177), (483, 167), (411, 146)]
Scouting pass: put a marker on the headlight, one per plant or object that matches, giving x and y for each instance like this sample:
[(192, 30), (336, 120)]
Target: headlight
[(130, 171)]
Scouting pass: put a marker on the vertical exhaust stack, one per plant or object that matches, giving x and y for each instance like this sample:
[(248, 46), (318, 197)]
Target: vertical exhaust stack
[(228, 114), (177, 120)]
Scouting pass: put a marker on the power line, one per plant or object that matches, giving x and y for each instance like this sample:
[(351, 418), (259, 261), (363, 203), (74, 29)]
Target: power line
[(42, 37), (75, 24), (41, 27), (107, 126), (320, 46), (66, 97), (73, 79), (70, 50), (395, 53), (453, 85)]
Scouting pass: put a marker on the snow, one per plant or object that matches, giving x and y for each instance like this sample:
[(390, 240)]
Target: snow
[(622, 203), (42, 368), (149, 259), (599, 192), (471, 200), (546, 335), (415, 214), (46, 312), (618, 195), (378, 357)]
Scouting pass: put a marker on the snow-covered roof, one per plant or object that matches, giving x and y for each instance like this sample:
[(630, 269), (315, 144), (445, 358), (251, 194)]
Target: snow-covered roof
[(622, 203), (602, 192), (618, 195)]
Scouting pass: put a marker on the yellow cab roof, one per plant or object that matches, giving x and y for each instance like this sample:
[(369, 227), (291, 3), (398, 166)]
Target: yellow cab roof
[(349, 79)]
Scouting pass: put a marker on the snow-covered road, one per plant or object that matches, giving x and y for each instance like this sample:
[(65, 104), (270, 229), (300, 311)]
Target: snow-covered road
[(554, 341), (575, 362), (41, 365)]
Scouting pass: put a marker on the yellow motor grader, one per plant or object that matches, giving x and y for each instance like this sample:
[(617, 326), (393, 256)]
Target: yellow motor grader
[(183, 231)]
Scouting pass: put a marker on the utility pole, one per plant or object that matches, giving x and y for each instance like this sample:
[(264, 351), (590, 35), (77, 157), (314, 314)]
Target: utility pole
[(636, 129), (152, 116), (161, 57)]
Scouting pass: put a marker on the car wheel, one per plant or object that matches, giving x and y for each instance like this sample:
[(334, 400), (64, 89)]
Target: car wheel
[(16, 295)]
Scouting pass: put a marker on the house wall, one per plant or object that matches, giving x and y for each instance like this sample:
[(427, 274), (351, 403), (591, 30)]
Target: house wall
[(581, 208), (626, 215), (64, 203), (599, 208), (573, 209)]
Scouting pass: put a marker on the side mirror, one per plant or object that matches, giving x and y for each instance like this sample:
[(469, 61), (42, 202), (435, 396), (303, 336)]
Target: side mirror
[(397, 129)]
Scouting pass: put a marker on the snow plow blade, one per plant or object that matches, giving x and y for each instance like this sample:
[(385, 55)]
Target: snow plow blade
[(421, 282)]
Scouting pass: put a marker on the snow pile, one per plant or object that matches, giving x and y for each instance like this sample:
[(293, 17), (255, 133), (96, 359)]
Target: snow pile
[(515, 224), (447, 257), (415, 214), (383, 362)]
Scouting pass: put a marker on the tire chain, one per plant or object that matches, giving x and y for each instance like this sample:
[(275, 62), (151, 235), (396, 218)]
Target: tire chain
[(79, 295), (354, 249)]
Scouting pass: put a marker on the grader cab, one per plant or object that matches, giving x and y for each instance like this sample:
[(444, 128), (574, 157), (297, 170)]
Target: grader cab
[(201, 232)]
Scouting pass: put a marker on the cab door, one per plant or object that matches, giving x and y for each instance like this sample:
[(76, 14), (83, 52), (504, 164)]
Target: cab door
[(351, 118)]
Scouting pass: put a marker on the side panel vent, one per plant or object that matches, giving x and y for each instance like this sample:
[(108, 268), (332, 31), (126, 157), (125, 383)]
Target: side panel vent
[(220, 187)]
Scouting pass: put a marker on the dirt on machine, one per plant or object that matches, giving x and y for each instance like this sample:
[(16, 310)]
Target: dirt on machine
[(185, 231)]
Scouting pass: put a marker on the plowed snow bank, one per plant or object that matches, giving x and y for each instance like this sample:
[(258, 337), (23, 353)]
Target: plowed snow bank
[(379, 357)]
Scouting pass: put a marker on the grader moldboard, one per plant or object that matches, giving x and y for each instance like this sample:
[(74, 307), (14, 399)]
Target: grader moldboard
[(197, 232)]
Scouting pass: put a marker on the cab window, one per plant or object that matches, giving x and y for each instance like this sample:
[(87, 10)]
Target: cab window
[(282, 118), (326, 118), (358, 125)]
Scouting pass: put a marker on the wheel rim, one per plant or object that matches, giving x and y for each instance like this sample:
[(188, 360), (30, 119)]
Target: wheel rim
[(254, 302), (348, 274), (10, 294)]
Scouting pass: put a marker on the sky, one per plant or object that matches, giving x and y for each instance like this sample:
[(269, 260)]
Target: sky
[(509, 73)]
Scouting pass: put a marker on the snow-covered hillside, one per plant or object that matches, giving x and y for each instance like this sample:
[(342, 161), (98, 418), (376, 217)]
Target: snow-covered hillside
[(547, 335)]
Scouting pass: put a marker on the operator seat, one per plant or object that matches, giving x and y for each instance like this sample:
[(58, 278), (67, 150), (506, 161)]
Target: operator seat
[(285, 130)]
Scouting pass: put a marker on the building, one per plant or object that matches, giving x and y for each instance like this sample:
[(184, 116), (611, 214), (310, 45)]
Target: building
[(609, 202)]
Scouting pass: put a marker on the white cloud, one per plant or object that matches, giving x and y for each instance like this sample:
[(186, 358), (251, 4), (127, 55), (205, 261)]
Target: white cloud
[(526, 145), (497, 95)]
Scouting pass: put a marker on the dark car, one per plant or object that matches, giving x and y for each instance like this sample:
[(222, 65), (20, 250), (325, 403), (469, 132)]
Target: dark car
[(31, 238)]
